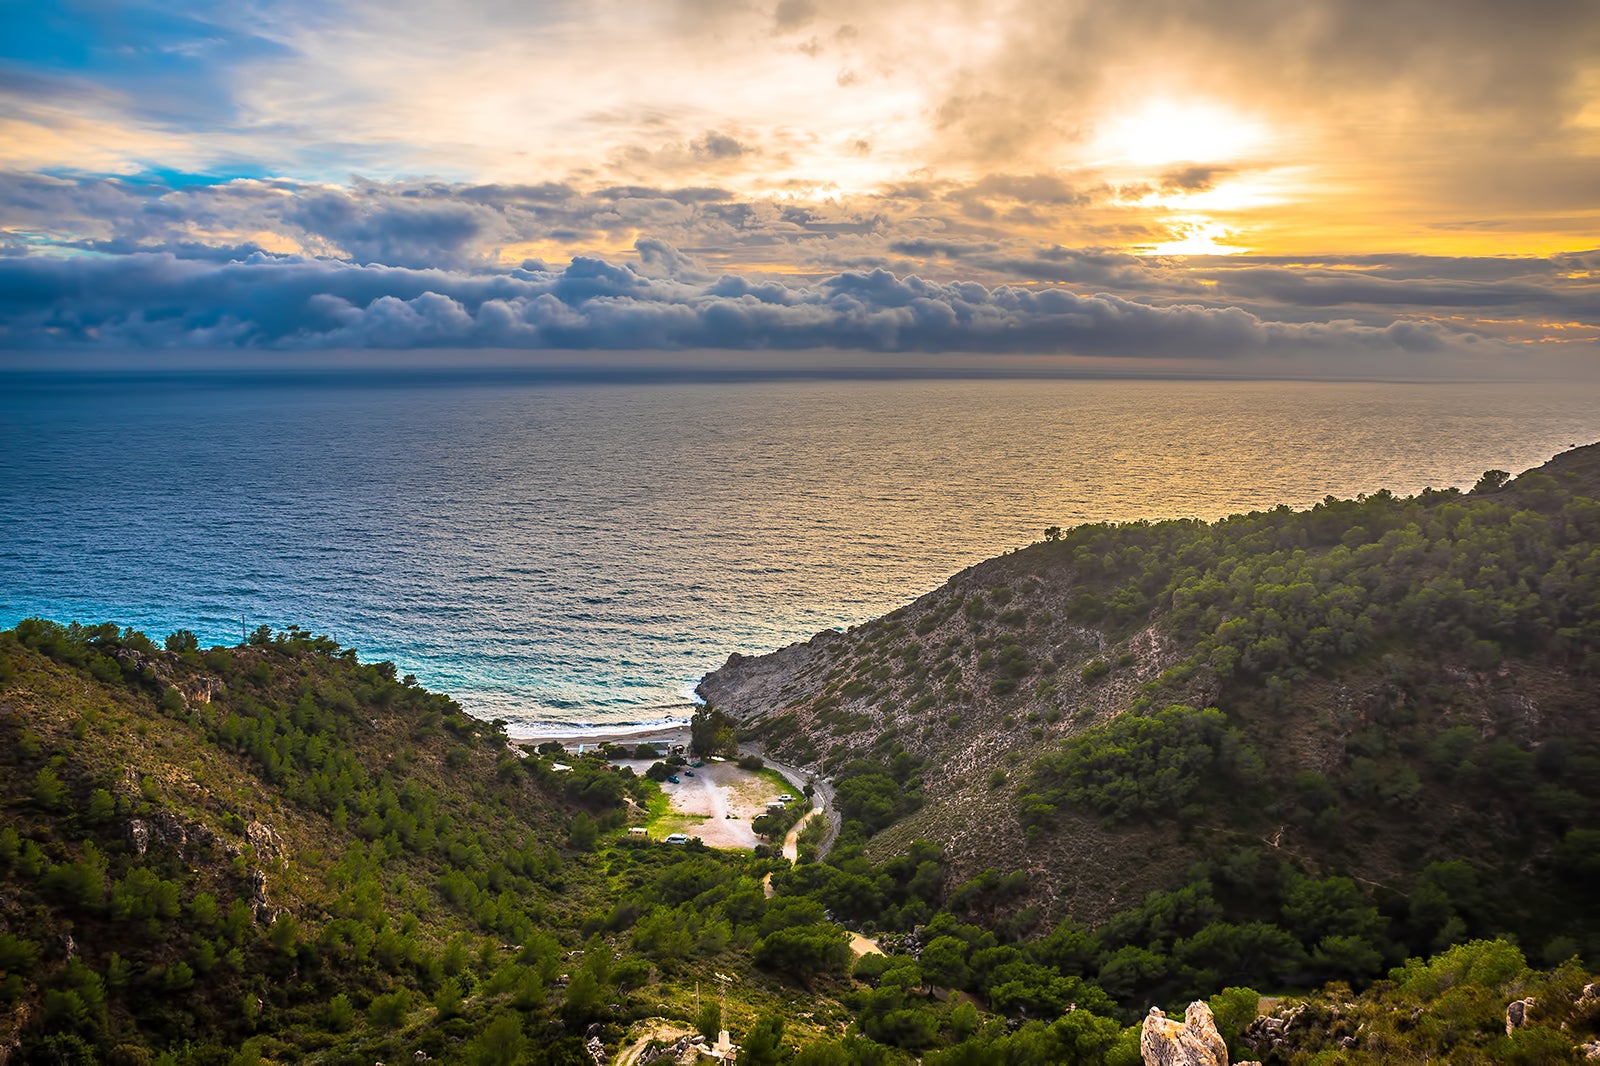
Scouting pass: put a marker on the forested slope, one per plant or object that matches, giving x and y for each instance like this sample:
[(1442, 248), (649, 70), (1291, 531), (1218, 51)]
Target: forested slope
[(275, 852), (1129, 765), (1325, 739)]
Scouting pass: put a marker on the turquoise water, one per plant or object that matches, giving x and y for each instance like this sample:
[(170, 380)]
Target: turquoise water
[(578, 550)]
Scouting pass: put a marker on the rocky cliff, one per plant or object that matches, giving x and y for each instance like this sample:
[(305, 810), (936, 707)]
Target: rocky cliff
[(1359, 650)]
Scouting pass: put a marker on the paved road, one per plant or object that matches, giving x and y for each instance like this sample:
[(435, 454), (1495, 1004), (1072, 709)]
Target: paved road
[(821, 796), (823, 804)]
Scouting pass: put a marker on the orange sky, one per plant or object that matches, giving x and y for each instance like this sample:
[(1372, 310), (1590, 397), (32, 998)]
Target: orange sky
[(954, 139)]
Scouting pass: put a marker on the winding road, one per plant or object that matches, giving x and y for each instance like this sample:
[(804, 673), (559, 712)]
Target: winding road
[(821, 799)]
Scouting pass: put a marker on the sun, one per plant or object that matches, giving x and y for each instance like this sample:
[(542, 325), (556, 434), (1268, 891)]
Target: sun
[(1161, 132), (1196, 236)]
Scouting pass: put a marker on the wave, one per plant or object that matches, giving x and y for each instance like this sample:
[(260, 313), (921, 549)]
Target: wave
[(547, 729)]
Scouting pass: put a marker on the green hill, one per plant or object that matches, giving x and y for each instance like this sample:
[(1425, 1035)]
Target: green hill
[(275, 852), (1385, 701), (1346, 757)]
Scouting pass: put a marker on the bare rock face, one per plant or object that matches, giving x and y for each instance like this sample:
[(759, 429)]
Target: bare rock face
[(202, 689), (1191, 1042), (138, 836), (134, 660), (260, 902), (170, 828), (260, 836), (1517, 1012)]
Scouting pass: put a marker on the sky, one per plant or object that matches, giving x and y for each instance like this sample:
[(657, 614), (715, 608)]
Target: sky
[(1334, 185)]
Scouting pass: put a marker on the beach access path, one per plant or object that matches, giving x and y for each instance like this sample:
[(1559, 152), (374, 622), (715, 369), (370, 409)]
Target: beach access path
[(707, 799), (715, 802), (821, 802)]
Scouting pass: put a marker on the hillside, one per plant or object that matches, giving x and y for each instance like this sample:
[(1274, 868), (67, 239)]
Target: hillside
[(1345, 757), (275, 852), (1403, 695)]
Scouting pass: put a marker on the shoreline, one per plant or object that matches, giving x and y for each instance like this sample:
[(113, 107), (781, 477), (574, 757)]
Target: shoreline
[(672, 718), (674, 733)]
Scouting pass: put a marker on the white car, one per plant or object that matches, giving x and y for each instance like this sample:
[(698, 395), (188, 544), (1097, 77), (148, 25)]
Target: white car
[(786, 798), (677, 838)]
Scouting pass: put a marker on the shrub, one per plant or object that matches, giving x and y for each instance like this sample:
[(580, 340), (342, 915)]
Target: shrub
[(341, 1015), (48, 791), (389, 1011), (182, 640)]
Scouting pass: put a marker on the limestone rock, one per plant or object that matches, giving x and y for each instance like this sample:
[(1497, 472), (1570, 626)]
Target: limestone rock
[(202, 689), (171, 830), (260, 836), (1191, 1042), (133, 660), (1589, 1051), (1269, 1031), (138, 836), (1517, 1013), (260, 902)]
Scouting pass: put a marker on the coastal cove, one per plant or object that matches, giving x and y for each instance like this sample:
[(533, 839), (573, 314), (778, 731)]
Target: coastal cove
[(1125, 772), (575, 555)]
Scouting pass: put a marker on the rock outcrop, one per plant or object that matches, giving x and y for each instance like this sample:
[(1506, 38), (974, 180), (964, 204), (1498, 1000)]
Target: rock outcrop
[(260, 901), (261, 837), (1517, 1013), (1192, 1042), (202, 689), (138, 836)]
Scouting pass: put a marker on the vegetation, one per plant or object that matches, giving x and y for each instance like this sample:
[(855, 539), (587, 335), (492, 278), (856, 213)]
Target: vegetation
[(1300, 747), (330, 863), (1346, 756)]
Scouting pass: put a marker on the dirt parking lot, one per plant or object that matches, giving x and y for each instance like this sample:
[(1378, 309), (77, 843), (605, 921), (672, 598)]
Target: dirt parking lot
[(716, 804)]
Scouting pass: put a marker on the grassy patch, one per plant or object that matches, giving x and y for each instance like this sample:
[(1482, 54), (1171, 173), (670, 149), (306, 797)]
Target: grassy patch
[(675, 822)]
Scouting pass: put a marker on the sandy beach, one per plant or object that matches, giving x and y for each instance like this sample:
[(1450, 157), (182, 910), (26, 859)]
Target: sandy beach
[(671, 734)]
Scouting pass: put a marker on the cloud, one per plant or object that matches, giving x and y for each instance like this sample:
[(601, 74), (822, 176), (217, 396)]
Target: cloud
[(792, 14), (693, 235), (1193, 178), (418, 232), (1390, 117), (159, 300)]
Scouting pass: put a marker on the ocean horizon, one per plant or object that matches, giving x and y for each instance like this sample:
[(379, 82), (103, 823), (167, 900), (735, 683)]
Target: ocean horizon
[(571, 548)]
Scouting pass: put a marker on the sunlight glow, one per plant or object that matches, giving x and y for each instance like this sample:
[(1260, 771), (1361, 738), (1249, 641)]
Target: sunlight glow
[(1166, 131), (1197, 236)]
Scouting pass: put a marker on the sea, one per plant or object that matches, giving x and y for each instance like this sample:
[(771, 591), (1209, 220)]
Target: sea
[(571, 546)]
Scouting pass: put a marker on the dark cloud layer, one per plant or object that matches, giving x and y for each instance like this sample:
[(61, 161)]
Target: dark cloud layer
[(279, 264), (159, 300)]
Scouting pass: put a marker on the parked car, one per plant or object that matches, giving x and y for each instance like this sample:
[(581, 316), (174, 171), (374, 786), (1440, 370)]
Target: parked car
[(672, 779), (688, 773), (677, 838), (786, 798)]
